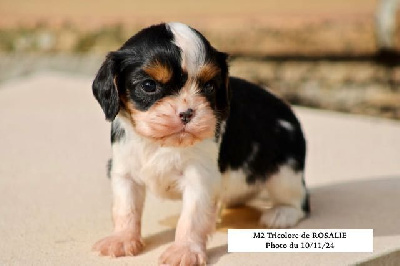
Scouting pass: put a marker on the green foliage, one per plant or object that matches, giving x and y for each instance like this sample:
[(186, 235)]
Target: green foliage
[(105, 38)]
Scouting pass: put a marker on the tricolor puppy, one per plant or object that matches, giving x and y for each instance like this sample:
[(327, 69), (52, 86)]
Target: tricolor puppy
[(183, 129)]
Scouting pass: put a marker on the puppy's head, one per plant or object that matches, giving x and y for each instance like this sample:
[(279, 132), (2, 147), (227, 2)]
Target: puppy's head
[(169, 82)]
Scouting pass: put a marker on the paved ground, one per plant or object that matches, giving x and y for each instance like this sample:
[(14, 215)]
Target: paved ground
[(55, 197)]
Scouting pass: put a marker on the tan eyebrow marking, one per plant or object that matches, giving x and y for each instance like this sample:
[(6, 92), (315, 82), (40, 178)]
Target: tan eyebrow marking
[(208, 72), (159, 72)]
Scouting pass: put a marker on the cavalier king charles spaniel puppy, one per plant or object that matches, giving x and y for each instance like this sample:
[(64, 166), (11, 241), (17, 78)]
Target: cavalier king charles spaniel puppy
[(183, 129)]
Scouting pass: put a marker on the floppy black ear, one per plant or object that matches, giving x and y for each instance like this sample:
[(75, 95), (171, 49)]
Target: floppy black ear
[(105, 89), (224, 94)]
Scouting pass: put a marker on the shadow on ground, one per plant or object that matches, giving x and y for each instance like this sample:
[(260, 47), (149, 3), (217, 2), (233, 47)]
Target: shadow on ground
[(371, 203)]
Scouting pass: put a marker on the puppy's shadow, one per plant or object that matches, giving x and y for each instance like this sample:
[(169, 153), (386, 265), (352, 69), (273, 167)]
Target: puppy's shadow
[(369, 203), (214, 254), (158, 239)]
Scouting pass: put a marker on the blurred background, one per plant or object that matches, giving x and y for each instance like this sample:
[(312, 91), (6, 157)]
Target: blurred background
[(341, 55)]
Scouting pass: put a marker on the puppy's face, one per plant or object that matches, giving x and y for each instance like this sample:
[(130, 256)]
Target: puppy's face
[(170, 82)]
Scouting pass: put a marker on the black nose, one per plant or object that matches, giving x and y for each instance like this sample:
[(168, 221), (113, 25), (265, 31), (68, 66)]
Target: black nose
[(186, 116)]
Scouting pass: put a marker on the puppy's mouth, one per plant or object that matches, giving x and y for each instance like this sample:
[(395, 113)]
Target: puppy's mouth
[(185, 136), (181, 132), (174, 133)]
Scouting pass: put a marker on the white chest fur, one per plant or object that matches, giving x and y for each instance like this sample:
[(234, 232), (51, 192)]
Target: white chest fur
[(166, 170)]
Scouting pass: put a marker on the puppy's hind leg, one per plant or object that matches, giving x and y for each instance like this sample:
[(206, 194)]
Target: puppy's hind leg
[(289, 196)]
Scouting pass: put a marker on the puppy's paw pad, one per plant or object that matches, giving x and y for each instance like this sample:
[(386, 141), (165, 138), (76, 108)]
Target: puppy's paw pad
[(118, 245), (183, 255), (281, 217)]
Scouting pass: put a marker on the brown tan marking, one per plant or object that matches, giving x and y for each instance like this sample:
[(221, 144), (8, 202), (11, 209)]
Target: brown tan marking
[(128, 109), (208, 72), (159, 72)]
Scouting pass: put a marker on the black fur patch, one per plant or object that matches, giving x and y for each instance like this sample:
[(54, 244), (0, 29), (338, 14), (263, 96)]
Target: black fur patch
[(104, 89), (252, 123), (306, 204), (117, 132)]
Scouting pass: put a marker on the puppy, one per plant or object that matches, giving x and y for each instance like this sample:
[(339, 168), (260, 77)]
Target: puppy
[(183, 129)]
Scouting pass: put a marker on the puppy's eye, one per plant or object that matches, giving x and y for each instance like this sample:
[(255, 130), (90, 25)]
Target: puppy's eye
[(148, 86), (209, 87)]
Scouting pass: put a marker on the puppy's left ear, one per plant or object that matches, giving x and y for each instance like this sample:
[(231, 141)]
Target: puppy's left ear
[(224, 94), (105, 88)]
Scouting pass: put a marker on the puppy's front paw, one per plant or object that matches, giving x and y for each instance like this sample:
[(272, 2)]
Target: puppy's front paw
[(281, 217), (119, 244), (183, 254)]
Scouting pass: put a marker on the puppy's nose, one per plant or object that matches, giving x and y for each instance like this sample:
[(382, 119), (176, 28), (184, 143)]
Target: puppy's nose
[(186, 116)]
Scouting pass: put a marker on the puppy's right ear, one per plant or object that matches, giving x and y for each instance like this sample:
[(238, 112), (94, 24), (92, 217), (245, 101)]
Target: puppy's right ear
[(105, 88)]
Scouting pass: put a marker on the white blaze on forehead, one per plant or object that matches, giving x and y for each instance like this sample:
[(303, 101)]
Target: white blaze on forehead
[(193, 49)]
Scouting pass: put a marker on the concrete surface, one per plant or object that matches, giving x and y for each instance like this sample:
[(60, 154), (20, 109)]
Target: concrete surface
[(55, 198)]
